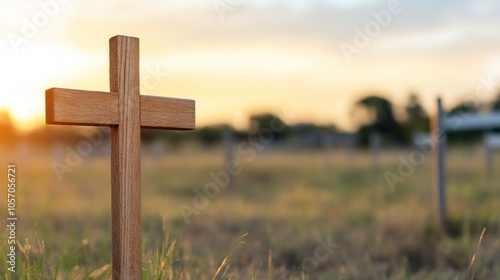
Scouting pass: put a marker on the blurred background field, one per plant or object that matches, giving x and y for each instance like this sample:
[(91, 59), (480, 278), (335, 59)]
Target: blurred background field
[(286, 200), (301, 94)]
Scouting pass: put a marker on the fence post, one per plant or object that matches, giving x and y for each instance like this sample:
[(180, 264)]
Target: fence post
[(488, 149), (375, 143), (439, 142), (228, 140)]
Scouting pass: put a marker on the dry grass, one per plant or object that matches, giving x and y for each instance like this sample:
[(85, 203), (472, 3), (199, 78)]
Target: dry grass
[(284, 201)]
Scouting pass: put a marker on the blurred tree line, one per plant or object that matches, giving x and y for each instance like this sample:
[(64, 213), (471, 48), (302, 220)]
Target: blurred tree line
[(378, 117), (372, 114), (376, 114)]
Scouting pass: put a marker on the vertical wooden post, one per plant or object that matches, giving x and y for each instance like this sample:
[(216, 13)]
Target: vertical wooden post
[(439, 143), (126, 159)]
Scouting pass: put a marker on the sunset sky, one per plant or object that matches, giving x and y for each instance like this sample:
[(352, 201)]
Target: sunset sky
[(239, 57)]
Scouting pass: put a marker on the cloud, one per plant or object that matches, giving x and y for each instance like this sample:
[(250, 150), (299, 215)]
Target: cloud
[(267, 51)]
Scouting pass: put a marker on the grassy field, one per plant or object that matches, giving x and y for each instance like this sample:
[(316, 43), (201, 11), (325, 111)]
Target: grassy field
[(289, 216)]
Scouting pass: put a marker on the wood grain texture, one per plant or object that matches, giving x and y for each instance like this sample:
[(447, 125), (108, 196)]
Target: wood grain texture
[(78, 107), (95, 108), (126, 160), (167, 113)]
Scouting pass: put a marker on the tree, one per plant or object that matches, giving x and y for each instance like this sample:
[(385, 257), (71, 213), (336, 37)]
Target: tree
[(380, 119), (495, 106), (270, 123), (417, 119), (463, 110)]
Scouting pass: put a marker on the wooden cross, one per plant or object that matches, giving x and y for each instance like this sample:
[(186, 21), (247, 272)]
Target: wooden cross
[(125, 111)]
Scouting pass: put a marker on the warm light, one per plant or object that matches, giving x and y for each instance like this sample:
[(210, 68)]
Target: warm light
[(265, 55), (26, 76)]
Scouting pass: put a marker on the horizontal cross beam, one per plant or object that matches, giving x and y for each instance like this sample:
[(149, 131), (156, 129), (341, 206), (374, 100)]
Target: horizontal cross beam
[(95, 108)]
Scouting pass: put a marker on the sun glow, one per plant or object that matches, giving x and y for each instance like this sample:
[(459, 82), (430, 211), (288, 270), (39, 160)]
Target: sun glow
[(26, 76), (252, 61)]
